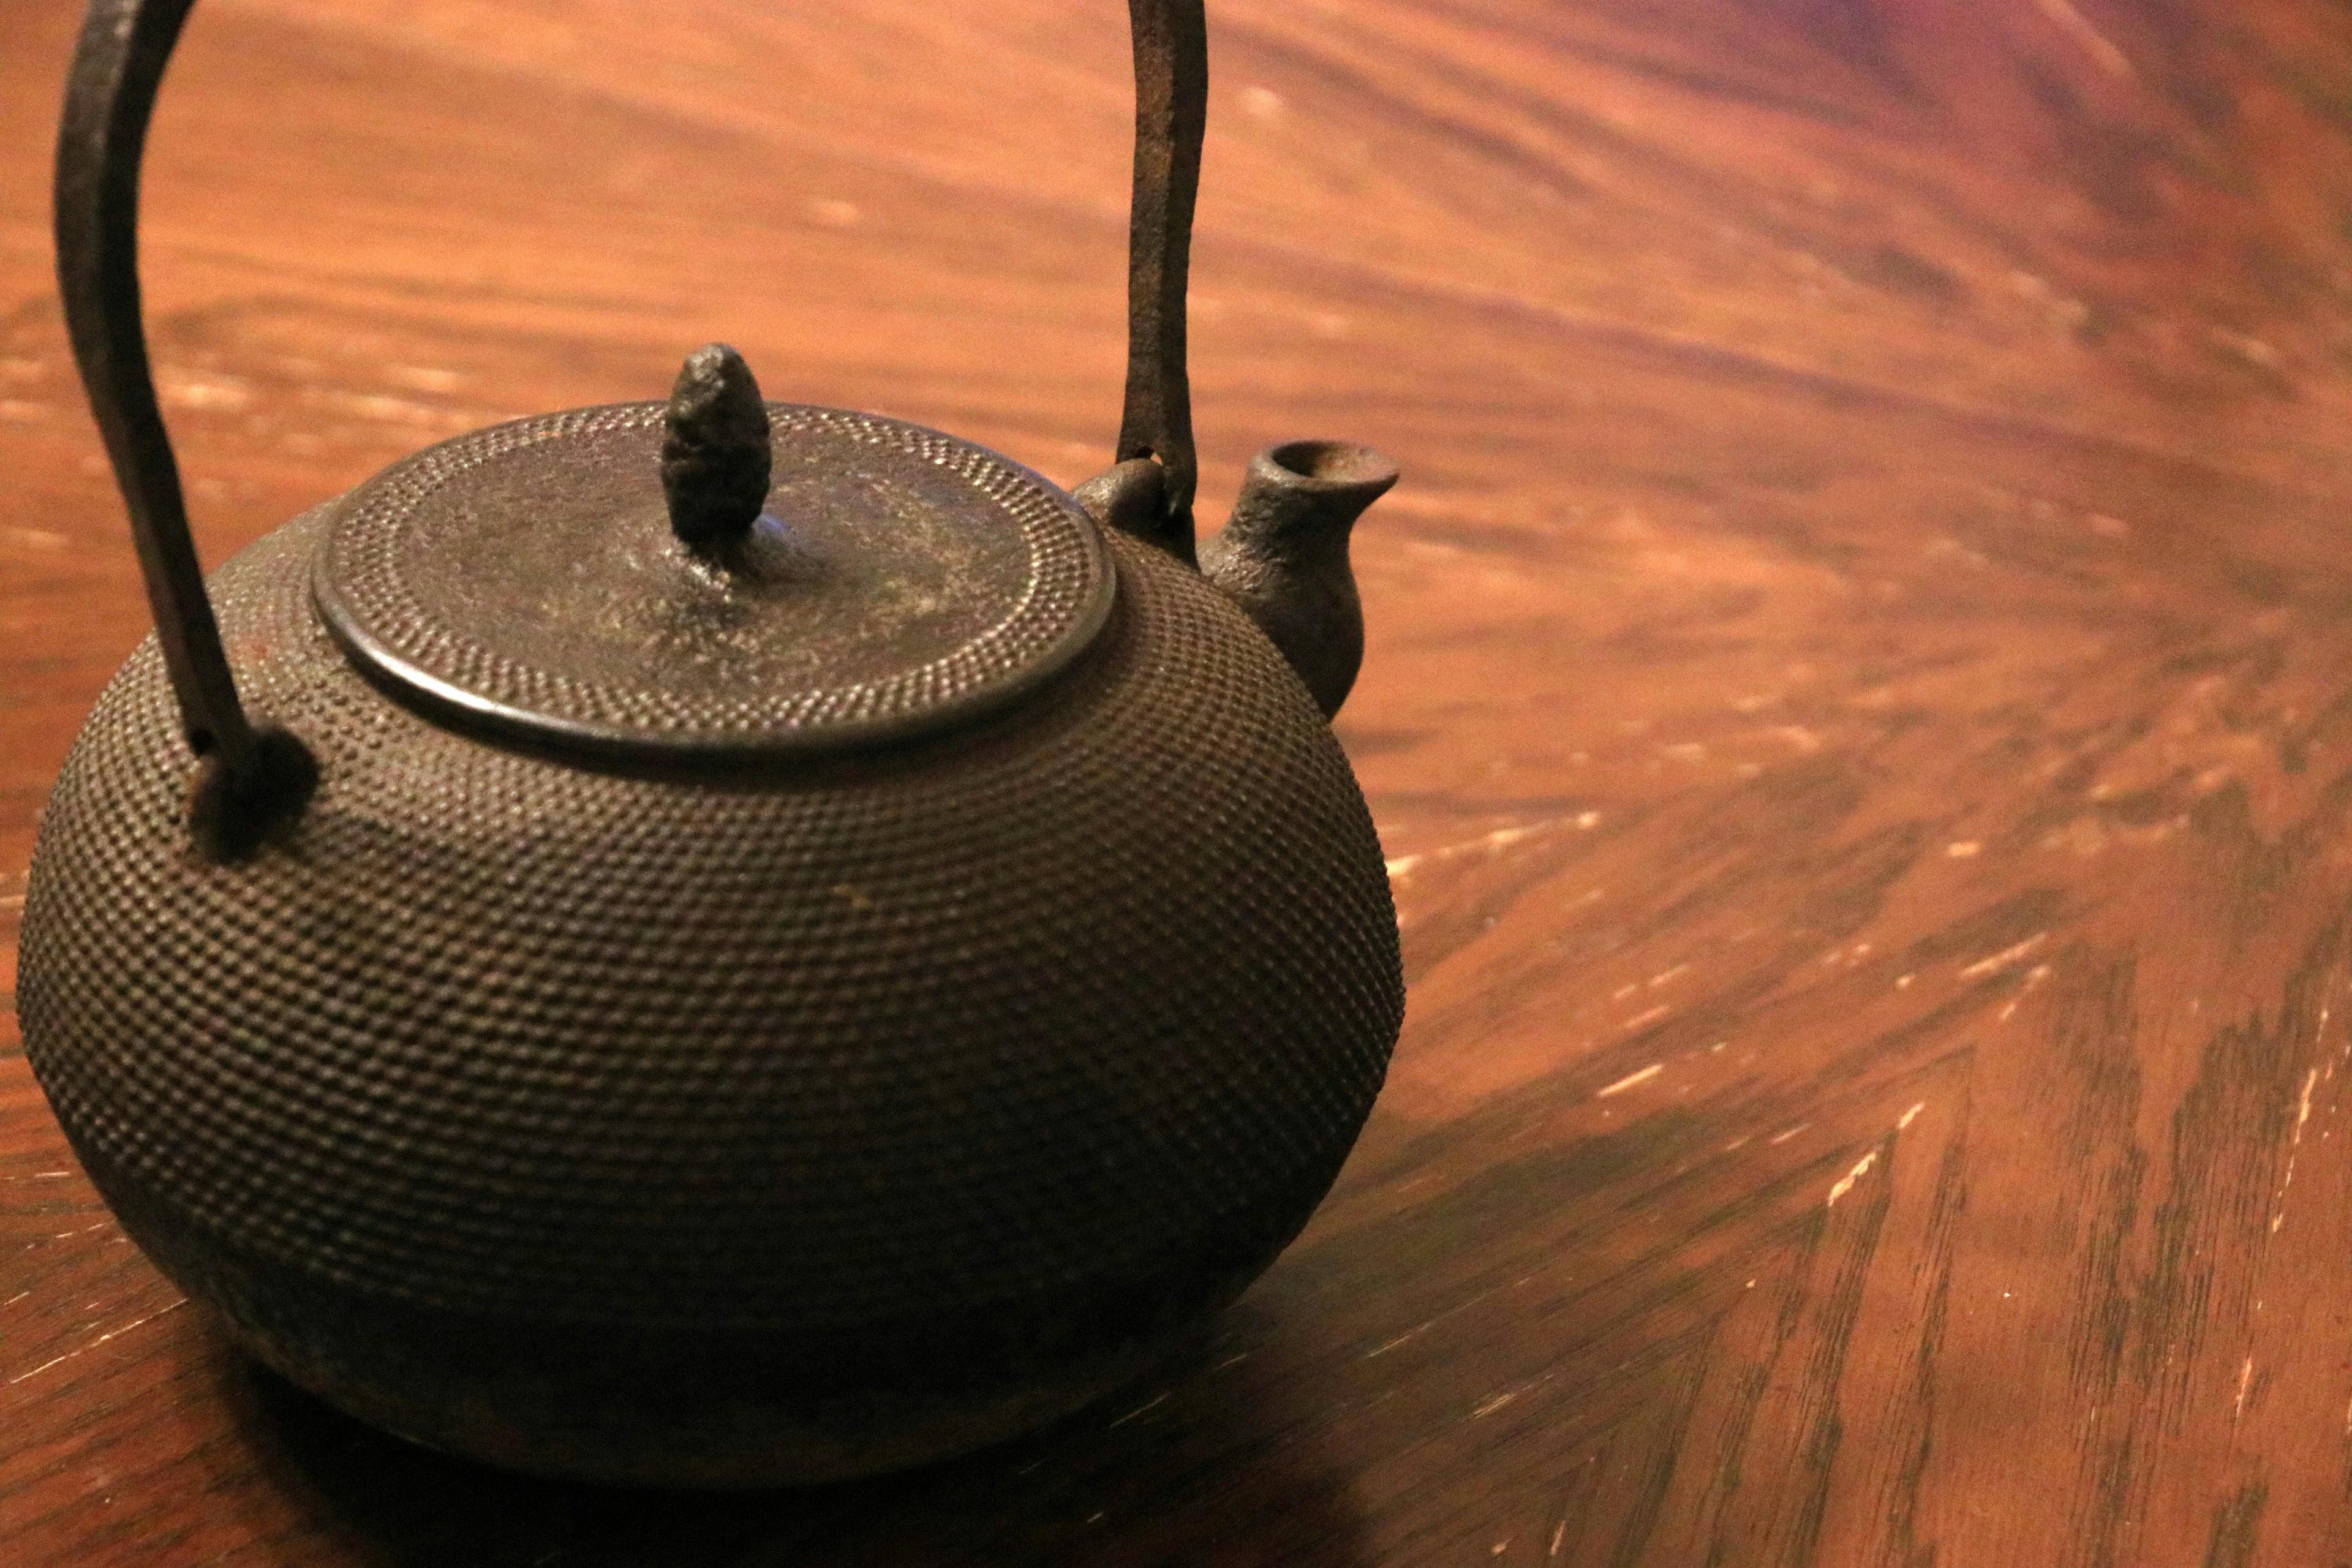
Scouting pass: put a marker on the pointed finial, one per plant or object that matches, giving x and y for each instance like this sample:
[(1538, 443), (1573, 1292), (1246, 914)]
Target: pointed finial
[(715, 459)]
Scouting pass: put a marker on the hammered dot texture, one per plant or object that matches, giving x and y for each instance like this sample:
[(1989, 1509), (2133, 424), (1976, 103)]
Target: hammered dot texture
[(992, 1017)]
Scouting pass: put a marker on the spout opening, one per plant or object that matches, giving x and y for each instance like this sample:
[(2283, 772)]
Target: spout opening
[(1332, 465)]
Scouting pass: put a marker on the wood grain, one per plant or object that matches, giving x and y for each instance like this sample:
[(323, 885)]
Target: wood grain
[(1859, 704)]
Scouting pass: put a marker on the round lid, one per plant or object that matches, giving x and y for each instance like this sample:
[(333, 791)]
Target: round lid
[(530, 579)]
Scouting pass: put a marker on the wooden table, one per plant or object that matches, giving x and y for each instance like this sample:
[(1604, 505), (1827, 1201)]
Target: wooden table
[(1859, 704)]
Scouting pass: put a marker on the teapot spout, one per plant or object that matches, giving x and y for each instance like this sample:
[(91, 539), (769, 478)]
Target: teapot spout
[(1282, 556)]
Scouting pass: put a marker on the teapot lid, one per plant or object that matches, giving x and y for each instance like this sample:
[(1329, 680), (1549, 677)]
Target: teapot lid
[(530, 579)]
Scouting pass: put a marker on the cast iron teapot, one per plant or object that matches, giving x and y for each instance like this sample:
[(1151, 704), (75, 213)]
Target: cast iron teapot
[(721, 942)]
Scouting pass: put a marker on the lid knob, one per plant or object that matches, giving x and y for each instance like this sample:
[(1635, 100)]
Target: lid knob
[(715, 454)]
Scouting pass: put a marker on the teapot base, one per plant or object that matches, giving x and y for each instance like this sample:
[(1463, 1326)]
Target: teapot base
[(739, 1449), (631, 1405)]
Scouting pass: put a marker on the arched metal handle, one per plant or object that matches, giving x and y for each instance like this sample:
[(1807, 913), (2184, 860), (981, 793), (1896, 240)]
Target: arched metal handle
[(117, 71)]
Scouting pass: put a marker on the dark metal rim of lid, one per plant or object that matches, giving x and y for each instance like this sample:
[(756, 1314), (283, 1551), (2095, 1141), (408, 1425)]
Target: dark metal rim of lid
[(1050, 629)]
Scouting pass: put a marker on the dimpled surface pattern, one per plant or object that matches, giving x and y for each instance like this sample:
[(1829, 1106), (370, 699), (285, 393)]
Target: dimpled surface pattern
[(1103, 983)]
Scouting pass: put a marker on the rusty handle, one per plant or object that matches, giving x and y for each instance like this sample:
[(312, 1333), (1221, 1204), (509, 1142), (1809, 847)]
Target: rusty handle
[(118, 70), (252, 779), (1171, 101), (124, 47)]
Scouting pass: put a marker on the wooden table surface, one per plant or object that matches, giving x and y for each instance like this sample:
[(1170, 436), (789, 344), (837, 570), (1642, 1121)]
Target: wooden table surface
[(1859, 705)]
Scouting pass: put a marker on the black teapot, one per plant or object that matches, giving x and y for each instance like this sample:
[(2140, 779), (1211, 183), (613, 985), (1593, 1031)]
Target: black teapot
[(722, 942)]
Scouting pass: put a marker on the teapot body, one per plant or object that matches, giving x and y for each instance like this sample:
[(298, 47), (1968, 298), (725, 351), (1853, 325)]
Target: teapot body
[(718, 944), (801, 1120)]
